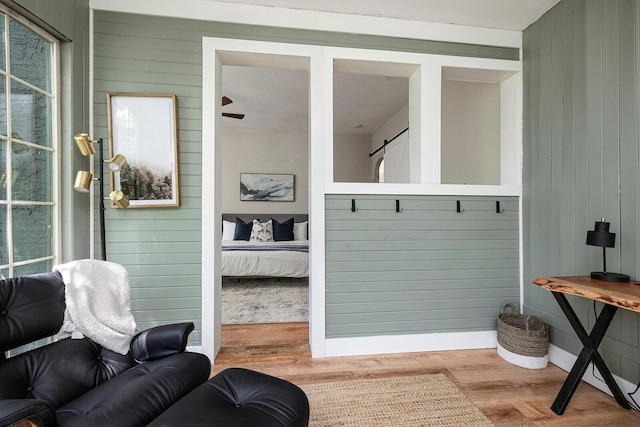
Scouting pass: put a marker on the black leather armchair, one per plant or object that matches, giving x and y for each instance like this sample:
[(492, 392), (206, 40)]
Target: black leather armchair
[(76, 382)]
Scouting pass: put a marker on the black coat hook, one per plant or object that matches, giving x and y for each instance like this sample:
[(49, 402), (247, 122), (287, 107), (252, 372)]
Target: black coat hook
[(498, 210), (398, 208), (459, 209), (353, 205)]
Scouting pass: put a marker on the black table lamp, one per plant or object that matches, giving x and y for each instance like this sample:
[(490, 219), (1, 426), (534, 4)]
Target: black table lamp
[(601, 236)]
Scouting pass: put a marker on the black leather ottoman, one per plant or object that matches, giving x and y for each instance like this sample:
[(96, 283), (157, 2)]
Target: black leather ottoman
[(239, 397)]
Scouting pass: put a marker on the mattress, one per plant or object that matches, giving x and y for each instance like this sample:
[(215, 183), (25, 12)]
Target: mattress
[(265, 259)]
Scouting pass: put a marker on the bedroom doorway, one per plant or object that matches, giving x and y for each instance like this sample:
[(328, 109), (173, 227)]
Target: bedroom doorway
[(264, 134)]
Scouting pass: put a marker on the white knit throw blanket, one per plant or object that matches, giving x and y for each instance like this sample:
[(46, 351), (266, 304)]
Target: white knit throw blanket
[(97, 296)]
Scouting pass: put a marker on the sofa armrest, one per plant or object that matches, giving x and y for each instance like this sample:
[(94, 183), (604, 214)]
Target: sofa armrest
[(161, 341), (13, 411)]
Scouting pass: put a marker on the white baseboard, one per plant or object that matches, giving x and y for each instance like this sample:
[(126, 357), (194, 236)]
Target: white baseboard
[(195, 349), (386, 344), (565, 360)]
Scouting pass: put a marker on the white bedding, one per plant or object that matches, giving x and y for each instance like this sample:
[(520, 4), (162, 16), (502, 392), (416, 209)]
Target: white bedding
[(264, 262)]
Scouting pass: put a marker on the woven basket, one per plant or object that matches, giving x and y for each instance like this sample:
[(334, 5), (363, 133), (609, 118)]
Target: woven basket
[(522, 340)]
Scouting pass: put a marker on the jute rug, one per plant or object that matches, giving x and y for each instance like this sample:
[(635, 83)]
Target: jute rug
[(422, 400)]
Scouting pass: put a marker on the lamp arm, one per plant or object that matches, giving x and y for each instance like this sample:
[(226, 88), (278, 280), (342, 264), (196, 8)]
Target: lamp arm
[(604, 260)]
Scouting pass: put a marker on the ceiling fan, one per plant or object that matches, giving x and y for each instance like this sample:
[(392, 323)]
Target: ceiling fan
[(227, 101)]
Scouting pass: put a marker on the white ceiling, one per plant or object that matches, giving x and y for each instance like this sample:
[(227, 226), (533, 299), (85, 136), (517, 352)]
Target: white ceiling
[(278, 99), (504, 14)]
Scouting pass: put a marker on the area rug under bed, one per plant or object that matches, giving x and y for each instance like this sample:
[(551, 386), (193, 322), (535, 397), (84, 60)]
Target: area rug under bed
[(265, 301), (422, 400)]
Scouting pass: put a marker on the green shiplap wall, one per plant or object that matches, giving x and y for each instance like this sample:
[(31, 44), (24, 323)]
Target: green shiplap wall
[(582, 161), (60, 16), (143, 54), (422, 270)]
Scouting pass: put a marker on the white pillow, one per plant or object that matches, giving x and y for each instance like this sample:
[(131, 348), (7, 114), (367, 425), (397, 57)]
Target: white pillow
[(300, 230), (261, 231), (228, 229)]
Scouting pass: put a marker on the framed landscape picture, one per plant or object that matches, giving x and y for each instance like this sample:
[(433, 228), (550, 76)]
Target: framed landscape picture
[(143, 128), (267, 187)]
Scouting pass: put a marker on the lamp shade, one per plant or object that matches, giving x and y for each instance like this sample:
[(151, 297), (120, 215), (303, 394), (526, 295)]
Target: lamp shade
[(116, 163), (82, 182), (601, 236), (85, 144), (119, 199)]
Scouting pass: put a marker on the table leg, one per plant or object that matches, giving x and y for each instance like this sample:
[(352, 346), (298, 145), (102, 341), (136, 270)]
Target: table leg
[(589, 353)]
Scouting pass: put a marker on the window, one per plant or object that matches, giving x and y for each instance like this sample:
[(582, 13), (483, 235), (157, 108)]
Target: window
[(28, 145)]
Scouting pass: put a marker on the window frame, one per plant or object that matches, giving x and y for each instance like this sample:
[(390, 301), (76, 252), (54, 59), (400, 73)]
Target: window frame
[(54, 148)]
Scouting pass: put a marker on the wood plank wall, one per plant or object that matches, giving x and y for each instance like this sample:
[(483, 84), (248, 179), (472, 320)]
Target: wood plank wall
[(582, 160), (425, 269)]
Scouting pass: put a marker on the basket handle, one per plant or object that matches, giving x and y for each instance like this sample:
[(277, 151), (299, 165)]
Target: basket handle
[(514, 308)]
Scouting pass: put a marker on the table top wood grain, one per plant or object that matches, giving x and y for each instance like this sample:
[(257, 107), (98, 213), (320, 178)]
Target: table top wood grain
[(624, 295)]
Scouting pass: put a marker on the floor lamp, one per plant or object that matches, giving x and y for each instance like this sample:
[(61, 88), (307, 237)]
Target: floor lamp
[(84, 179)]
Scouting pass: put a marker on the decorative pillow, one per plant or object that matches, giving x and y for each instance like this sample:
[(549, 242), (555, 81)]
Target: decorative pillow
[(228, 230), (243, 230), (300, 230), (282, 230), (261, 231)]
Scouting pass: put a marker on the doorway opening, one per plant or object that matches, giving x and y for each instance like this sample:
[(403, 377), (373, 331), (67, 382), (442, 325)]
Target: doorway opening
[(264, 136)]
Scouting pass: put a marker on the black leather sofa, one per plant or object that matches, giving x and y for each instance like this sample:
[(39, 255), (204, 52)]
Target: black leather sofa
[(76, 382)]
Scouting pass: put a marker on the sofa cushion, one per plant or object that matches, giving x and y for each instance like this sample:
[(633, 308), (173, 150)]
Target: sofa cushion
[(31, 307), (137, 396), (60, 372)]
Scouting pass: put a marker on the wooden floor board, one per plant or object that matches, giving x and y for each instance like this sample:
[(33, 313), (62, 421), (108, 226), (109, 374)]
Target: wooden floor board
[(505, 393)]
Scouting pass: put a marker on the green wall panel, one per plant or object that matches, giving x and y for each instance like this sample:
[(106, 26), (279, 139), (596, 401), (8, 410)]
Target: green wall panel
[(422, 270), (581, 161)]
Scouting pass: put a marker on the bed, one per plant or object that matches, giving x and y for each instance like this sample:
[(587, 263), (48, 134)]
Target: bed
[(262, 256)]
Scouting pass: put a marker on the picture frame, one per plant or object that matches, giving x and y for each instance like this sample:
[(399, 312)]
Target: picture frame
[(271, 187), (144, 129)]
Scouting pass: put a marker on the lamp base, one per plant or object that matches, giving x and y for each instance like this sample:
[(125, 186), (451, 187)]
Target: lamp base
[(609, 277)]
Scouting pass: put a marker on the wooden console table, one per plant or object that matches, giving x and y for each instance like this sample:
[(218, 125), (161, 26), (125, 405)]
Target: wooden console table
[(615, 295)]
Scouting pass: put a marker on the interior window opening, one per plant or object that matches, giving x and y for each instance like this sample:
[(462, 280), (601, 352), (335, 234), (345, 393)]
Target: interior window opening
[(370, 106)]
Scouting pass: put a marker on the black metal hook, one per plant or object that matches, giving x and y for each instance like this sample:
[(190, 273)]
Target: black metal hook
[(459, 209), (498, 210), (353, 205), (398, 208)]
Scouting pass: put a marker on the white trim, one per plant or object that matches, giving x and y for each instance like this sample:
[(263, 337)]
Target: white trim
[(319, 61), (388, 344), (215, 52), (211, 331), (320, 169), (195, 349), (312, 20), (423, 189), (565, 360)]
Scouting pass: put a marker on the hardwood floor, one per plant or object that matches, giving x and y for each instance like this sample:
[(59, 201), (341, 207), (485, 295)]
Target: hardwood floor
[(508, 395)]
